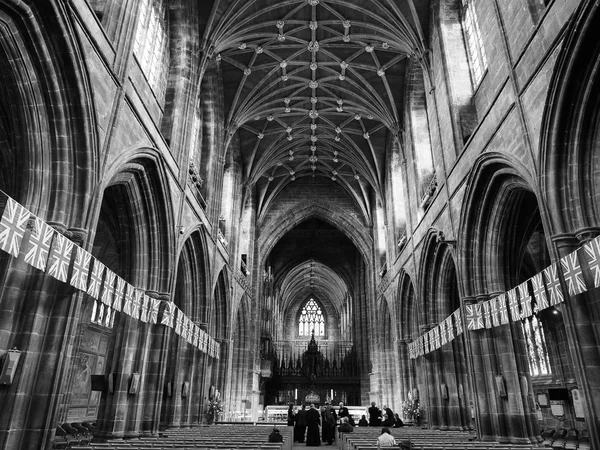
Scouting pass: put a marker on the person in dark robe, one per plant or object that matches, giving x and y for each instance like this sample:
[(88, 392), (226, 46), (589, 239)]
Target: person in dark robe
[(275, 436), (389, 417), (300, 428), (328, 421), (397, 421), (313, 421), (374, 415), (363, 422), (291, 417)]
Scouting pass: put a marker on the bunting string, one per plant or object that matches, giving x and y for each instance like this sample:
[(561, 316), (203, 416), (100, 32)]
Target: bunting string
[(24, 235)]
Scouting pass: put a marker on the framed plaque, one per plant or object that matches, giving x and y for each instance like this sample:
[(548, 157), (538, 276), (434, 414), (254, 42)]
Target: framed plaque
[(542, 399)]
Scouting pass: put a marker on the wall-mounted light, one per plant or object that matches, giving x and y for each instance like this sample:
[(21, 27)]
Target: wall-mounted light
[(9, 368)]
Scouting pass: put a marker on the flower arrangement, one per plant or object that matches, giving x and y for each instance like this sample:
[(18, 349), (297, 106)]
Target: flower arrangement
[(214, 407), (411, 411)]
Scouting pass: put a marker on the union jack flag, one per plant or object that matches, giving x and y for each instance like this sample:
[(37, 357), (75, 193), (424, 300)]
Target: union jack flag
[(443, 334), (539, 292), (119, 293), (153, 310), (217, 350), (12, 224), (592, 250), (495, 312), (554, 286), (487, 314), (204, 344), (513, 303), (145, 305), (137, 303), (190, 336), (195, 336), (411, 350), (128, 303), (436, 338), (178, 321), (458, 321), (502, 309), (168, 314), (449, 328), (572, 273), (81, 267), (96, 279), (474, 316), (184, 326), (526, 310), (36, 249), (108, 288), (60, 257)]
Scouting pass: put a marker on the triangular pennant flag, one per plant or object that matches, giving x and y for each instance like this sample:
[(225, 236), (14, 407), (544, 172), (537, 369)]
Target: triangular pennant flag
[(554, 287), (119, 294), (37, 247), (474, 316), (95, 280), (539, 292), (487, 316), (168, 314), (525, 300), (502, 309), (81, 267), (572, 273), (60, 257), (108, 288), (513, 304), (153, 310), (592, 251), (458, 321), (13, 223)]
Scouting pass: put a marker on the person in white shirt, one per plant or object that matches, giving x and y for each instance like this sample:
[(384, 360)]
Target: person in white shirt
[(386, 439)]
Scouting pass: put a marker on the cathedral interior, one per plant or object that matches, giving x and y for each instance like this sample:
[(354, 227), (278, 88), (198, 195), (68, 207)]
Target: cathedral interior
[(268, 202)]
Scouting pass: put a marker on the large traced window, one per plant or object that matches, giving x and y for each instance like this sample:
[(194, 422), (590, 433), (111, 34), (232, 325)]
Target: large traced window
[(311, 319), (537, 352), (150, 46), (477, 57)]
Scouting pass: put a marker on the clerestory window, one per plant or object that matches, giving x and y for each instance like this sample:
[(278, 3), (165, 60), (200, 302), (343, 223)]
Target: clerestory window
[(311, 319), (477, 57)]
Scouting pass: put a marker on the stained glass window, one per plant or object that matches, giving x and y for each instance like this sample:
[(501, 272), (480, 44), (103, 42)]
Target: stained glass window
[(477, 56), (537, 352), (311, 319)]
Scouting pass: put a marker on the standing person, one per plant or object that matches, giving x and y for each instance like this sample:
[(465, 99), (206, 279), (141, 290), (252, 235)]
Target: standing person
[(374, 415), (328, 419), (300, 428), (313, 420), (343, 412), (386, 439), (291, 417)]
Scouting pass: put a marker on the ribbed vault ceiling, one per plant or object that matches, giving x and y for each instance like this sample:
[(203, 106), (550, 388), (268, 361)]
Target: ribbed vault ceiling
[(315, 88)]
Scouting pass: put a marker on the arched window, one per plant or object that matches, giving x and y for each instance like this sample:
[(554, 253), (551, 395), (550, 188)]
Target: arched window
[(311, 319), (150, 46), (476, 51), (537, 352)]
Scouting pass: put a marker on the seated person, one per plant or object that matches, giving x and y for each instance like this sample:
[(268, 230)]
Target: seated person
[(345, 426), (386, 439), (363, 422), (275, 436), (398, 421), (388, 421)]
